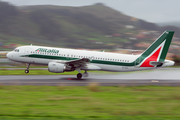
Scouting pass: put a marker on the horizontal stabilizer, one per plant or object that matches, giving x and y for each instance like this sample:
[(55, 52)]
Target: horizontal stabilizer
[(154, 63)]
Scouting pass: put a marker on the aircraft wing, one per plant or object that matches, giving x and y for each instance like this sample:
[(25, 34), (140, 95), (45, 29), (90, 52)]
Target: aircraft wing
[(83, 64), (78, 63)]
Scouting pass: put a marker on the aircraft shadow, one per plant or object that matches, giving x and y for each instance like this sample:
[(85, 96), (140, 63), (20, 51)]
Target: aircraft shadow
[(73, 79)]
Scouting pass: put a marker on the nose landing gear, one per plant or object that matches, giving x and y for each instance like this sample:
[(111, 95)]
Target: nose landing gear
[(27, 70)]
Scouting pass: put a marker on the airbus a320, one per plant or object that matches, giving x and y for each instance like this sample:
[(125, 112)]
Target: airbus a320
[(61, 60)]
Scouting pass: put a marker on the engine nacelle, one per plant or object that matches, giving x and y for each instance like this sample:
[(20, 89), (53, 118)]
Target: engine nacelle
[(56, 67)]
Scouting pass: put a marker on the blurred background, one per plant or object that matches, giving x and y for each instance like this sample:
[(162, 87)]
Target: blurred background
[(121, 26), (115, 26)]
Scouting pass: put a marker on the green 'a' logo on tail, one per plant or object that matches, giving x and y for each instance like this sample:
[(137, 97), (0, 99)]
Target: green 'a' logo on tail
[(157, 51)]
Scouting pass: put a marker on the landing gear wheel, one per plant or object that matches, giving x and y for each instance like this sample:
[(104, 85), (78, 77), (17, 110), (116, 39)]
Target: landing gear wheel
[(79, 75), (26, 71), (85, 74)]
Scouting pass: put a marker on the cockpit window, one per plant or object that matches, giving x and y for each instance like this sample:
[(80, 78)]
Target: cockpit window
[(16, 50)]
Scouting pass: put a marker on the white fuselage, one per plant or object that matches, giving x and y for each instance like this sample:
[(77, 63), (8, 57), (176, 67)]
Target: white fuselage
[(106, 61)]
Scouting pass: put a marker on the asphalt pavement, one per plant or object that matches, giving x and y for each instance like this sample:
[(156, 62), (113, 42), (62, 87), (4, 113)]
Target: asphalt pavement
[(161, 77)]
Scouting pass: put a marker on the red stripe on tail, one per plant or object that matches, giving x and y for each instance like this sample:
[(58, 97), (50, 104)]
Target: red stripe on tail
[(153, 57)]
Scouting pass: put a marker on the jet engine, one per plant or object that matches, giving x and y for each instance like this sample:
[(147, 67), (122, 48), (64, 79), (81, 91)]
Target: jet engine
[(56, 67), (59, 67)]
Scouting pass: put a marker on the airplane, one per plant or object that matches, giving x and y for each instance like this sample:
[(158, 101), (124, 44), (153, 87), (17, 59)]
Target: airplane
[(61, 60)]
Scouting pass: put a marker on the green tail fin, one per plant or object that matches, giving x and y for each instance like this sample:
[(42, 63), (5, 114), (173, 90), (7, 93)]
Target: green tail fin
[(161, 45)]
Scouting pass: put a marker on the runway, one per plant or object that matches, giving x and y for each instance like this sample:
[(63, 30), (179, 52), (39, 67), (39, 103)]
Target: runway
[(160, 77)]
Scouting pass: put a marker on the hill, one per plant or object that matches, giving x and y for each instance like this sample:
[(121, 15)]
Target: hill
[(93, 27)]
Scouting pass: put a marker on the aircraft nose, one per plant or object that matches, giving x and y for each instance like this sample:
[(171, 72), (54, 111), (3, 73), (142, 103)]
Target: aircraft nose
[(7, 55)]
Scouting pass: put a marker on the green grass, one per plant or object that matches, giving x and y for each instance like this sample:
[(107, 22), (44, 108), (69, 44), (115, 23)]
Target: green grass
[(93, 101), (23, 66), (33, 72), (46, 72)]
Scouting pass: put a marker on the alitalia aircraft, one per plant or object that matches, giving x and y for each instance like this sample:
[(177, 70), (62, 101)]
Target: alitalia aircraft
[(61, 60)]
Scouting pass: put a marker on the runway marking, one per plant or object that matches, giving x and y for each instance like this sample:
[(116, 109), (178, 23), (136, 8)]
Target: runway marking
[(154, 81)]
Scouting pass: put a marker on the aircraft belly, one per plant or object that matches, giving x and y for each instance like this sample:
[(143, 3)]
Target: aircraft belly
[(91, 67), (115, 68), (40, 61)]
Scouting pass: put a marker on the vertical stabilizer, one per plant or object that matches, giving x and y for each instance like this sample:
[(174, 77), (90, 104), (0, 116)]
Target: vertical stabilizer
[(157, 51)]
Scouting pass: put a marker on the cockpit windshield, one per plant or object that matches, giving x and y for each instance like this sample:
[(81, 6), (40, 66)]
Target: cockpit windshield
[(16, 50)]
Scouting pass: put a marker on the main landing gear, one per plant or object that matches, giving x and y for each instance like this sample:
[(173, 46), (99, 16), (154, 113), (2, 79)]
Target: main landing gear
[(27, 70), (80, 75)]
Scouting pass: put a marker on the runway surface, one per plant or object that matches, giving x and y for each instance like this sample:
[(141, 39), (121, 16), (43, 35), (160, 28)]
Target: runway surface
[(163, 77)]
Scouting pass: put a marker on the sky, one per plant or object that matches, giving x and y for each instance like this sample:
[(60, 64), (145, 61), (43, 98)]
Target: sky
[(155, 11)]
